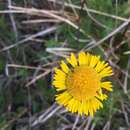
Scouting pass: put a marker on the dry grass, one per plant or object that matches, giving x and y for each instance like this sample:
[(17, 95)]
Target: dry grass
[(35, 35)]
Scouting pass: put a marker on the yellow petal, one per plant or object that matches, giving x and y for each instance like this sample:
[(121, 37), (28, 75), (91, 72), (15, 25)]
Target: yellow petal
[(107, 85), (80, 110), (59, 79), (106, 72), (63, 98), (71, 105), (64, 67), (101, 96), (98, 103), (94, 60), (91, 112), (82, 59), (59, 85), (72, 60), (86, 109), (100, 66), (59, 75), (59, 72)]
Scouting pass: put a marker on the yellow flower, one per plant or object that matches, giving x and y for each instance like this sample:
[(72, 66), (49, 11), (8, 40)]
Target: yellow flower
[(80, 83)]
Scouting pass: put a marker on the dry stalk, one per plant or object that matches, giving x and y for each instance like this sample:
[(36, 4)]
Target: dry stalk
[(48, 114), (38, 77)]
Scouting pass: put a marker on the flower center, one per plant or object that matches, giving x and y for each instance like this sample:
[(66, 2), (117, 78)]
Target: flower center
[(83, 82)]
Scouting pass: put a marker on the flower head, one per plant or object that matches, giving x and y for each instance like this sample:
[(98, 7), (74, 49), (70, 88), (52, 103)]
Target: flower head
[(80, 83)]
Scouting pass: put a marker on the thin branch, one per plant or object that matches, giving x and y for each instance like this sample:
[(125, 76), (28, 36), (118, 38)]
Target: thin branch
[(13, 22), (13, 120), (41, 33), (76, 122), (23, 67), (95, 20), (126, 78), (88, 123), (91, 11), (41, 21), (46, 117), (114, 32), (125, 113), (47, 13), (38, 77)]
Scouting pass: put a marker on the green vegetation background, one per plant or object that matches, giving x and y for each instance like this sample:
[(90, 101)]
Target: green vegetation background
[(15, 97)]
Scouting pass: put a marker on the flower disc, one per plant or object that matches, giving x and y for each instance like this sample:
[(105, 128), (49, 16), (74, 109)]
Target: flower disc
[(83, 83)]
